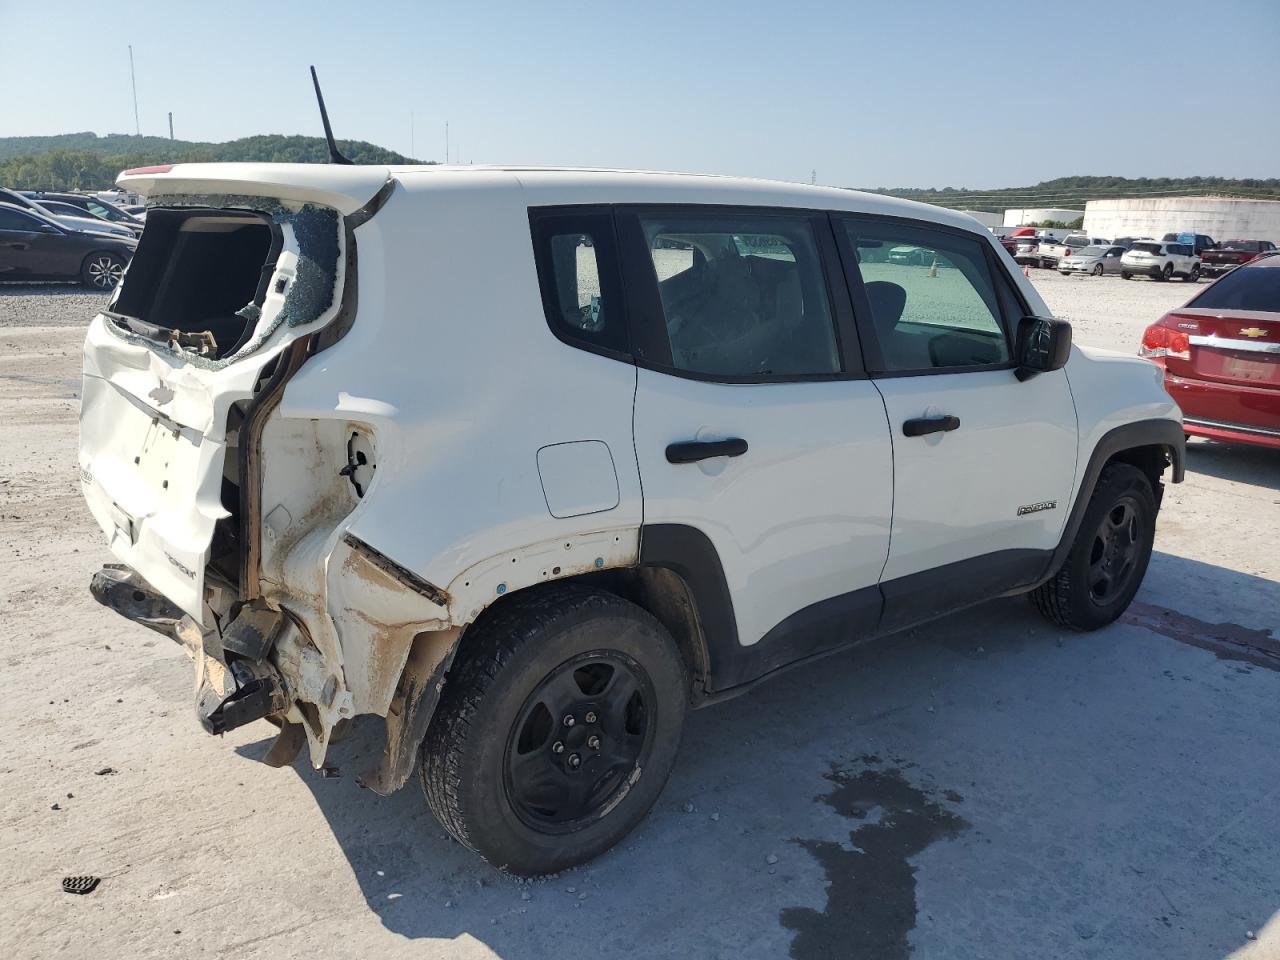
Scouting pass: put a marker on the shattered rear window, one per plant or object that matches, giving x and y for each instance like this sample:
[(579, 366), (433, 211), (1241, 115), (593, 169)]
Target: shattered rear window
[(215, 276)]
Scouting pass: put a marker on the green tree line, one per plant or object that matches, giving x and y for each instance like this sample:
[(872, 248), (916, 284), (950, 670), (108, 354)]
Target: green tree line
[(82, 164)]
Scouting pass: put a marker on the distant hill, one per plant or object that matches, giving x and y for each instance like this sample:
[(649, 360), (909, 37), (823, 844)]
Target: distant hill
[(1072, 192), (87, 161)]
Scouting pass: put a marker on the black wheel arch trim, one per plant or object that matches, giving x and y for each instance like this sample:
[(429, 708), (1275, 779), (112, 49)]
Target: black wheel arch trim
[(689, 553), (1129, 436)]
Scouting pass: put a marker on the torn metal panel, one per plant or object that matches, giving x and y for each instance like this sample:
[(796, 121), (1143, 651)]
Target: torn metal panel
[(154, 415), (480, 584), (253, 632), (411, 710), (395, 571), (319, 700)]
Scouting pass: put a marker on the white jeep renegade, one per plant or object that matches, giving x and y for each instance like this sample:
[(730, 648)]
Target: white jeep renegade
[(528, 462)]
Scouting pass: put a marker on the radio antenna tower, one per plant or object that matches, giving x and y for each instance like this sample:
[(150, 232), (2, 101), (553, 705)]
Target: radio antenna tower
[(137, 127)]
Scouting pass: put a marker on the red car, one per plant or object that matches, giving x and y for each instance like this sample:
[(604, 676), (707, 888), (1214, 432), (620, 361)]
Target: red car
[(1221, 355), (1231, 253), (1010, 240)]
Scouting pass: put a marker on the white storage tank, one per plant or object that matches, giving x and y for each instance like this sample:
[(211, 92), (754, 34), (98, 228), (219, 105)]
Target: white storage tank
[(1218, 217), (992, 221), (1019, 216)]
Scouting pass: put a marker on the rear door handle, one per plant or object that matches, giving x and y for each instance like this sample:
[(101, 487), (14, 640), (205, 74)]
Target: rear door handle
[(920, 426), (691, 451)]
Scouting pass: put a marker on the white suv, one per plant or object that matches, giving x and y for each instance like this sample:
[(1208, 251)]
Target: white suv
[(1160, 261), (528, 462)]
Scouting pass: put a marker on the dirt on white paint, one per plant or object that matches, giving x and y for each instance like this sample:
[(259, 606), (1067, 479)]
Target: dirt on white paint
[(985, 786)]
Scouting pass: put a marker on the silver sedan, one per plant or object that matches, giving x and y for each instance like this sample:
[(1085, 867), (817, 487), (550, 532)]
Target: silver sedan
[(1095, 260)]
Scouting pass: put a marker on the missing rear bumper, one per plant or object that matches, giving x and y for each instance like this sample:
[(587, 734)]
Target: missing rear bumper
[(124, 591), (235, 684)]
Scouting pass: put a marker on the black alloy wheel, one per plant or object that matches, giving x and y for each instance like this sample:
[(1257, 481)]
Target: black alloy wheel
[(582, 734), (1114, 552)]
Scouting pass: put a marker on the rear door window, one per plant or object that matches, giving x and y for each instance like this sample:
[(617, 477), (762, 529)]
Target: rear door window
[(741, 295), (932, 302)]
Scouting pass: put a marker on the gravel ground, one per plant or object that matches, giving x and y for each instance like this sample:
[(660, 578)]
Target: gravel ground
[(48, 305), (1108, 311), (986, 786)]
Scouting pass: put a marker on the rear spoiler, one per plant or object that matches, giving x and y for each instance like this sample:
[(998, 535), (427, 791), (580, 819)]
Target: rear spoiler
[(344, 188)]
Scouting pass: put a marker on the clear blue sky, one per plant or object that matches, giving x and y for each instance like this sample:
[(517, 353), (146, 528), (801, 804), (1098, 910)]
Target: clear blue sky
[(917, 93)]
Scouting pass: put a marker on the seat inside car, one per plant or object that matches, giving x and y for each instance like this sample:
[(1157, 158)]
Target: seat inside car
[(900, 349)]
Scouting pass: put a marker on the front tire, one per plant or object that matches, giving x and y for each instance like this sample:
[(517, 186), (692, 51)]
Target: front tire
[(1109, 557), (1193, 276), (102, 271), (1097, 269), (1126, 275), (556, 730)]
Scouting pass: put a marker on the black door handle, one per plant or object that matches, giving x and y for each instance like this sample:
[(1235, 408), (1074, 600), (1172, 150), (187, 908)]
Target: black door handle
[(923, 425), (691, 451)]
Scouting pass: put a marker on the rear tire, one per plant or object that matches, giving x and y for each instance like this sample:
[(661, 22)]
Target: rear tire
[(1126, 275), (1166, 273), (556, 730), (101, 271), (1109, 557)]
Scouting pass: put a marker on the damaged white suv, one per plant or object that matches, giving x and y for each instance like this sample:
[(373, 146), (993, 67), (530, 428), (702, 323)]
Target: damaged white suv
[(528, 462)]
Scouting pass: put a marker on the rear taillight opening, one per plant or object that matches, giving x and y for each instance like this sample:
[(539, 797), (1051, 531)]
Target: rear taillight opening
[(1160, 342)]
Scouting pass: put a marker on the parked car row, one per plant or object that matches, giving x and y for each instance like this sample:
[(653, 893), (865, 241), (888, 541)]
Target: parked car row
[(92, 213), (1043, 250), (46, 243), (1185, 255)]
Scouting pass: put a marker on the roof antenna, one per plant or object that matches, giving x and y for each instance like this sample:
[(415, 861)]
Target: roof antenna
[(334, 155)]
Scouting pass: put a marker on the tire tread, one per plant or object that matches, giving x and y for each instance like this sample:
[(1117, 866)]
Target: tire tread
[(1054, 598), (491, 643)]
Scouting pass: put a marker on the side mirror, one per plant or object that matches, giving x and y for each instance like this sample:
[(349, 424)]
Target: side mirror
[(1043, 344)]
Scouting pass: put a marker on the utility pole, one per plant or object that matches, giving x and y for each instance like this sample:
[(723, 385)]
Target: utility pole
[(413, 151), (446, 141), (170, 124), (137, 127)]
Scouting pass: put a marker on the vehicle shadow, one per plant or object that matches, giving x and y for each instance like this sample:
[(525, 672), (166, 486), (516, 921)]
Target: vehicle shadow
[(1243, 463), (1049, 757)]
